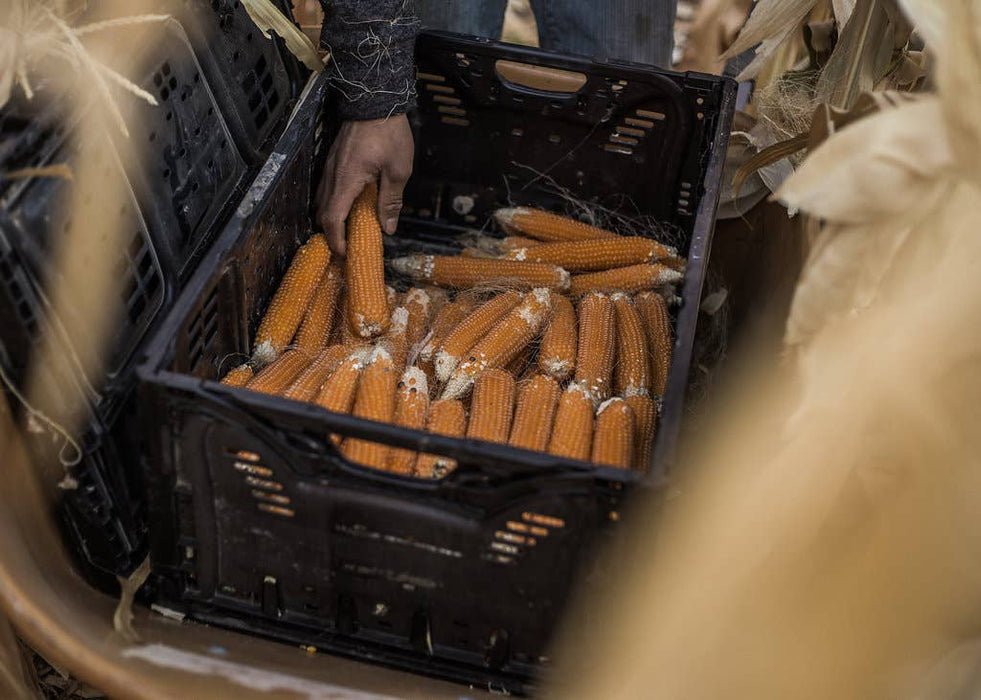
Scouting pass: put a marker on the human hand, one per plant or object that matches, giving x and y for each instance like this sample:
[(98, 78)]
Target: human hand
[(365, 151)]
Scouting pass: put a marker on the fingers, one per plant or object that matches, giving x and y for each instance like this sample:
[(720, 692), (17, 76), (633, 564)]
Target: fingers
[(345, 189), (390, 198)]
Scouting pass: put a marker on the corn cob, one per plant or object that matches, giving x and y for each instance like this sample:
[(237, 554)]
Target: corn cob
[(308, 383), (572, 430), (470, 330), (446, 319), (492, 245), (375, 400), (445, 418), (509, 243), (653, 311), (238, 376), (368, 311), (645, 416), (419, 305), (337, 393), (392, 297), (613, 437), (462, 273), (596, 350), (395, 340), (411, 405), (633, 373), (491, 407), (537, 401), (289, 303), (599, 254), (314, 332), (503, 343), (624, 279), (546, 226), (557, 355), (277, 377)]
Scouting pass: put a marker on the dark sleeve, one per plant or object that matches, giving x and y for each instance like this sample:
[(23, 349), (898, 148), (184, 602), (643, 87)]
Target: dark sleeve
[(371, 44)]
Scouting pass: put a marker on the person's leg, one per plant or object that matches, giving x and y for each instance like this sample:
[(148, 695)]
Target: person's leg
[(479, 17), (632, 30)]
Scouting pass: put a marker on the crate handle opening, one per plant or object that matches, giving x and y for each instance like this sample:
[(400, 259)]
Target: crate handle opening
[(539, 78)]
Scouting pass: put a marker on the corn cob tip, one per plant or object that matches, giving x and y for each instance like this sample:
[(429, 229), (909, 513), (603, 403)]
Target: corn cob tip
[(457, 386), (609, 402), (415, 378), (517, 254), (366, 328), (669, 276), (565, 278), (376, 354), (444, 363), (531, 316), (418, 296), (264, 354), (400, 319), (504, 216), (415, 266), (557, 368)]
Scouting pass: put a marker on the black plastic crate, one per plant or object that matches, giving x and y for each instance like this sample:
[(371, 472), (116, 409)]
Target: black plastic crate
[(258, 523), (30, 132)]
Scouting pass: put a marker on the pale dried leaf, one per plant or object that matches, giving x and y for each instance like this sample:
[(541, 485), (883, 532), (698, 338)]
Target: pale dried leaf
[(60, 170), (268, 18), (770, 25), (959, 83), (843, 10), (928, 16)]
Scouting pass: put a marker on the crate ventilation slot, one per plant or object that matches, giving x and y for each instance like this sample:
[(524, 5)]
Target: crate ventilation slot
[(517, 537), (444, 96), (265, 490), (260, 87), (203, 330)]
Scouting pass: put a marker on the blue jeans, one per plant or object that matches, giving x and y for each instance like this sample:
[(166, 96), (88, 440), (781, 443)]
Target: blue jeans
[(633, 30)]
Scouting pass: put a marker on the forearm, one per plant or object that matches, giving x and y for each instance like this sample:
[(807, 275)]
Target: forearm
[(371, 44)]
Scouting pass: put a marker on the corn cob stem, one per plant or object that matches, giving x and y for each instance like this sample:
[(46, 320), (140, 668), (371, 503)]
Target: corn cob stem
[(277, 377), (624, 279), (471, 330), (238, 376), (289, 303), (445, 418), (314, 332), (599, 254), (491, 407), (645, 416), (633, 374), (596, 349), (462, 273), (503, 343), (613, 438), (546, 226), (367, 296), (308, 383), (411, 405), (557, 355), (375, 400), (653, 311), (537, 401), (572, 430)]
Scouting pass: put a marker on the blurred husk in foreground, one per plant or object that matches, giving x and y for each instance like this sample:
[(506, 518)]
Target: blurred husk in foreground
[(821, 540)]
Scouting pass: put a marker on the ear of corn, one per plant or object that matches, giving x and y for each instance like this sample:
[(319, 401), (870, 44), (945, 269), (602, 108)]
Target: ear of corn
[(419, 305), (491, 407), (375, 400), (624, 279), (510, 243), (278, 376), (572, 430), (596, 350), (446, 319), (445, 418), (289, 303), (392, 297), (557, 355), (503, 343), (238, 376), (411, 406), (645, 416), (470, 330), (308, 383), (599, 254), (337, 393), (632, 374), (537, 401), (613, 437), (396, 340), (459, 272), (314, 333), (653, 311), (368, 310), (545, 226)]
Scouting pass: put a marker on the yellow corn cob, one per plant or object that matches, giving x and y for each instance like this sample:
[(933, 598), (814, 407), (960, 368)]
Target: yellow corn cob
[(395, 340), (462, 273), (624, 279), (277, 377), (537, 400), (392, 296), (289, 303), (510, 243), (337, 393), (419, 305), (411, 405), (645, 416), (613, 437), (599, 254), (238, 376), (653, 312), (572, 429), (546, 226), (375, 400), (491, 407), (597, 345), (368, 311), (557, 355), (460, 339), (446, 319), (503, 343), (318, 321), (445, 418), (308, 383), (633, 373)]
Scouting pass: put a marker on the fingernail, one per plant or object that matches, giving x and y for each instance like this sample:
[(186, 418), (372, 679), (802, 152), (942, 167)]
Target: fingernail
[(391, 225)]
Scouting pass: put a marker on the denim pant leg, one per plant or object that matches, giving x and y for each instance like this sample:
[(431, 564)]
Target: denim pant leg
[(479, 17), (632, 30)]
